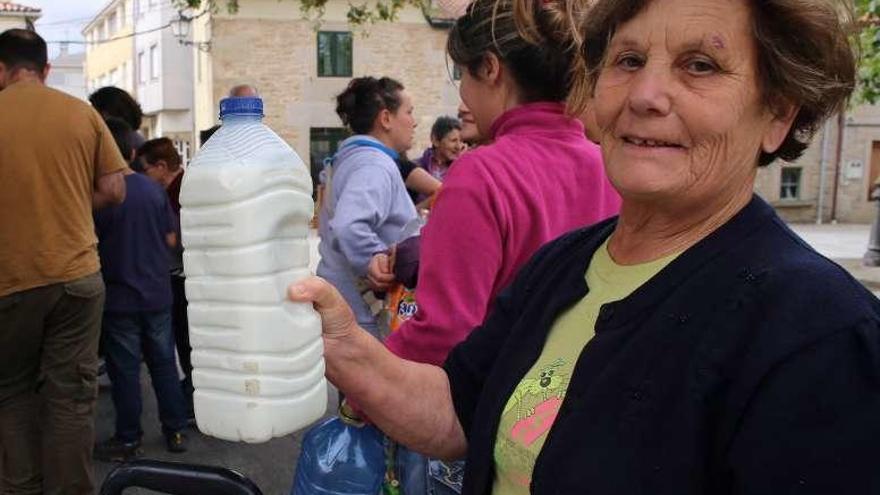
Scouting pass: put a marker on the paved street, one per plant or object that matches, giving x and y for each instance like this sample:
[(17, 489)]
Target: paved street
[(270, 465), (840, 241)]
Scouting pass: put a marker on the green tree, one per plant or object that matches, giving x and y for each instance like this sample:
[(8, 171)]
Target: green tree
[(868, 35), (359, 12)]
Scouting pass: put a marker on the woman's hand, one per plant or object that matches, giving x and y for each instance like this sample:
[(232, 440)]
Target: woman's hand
[(380, 272), (337, 319)]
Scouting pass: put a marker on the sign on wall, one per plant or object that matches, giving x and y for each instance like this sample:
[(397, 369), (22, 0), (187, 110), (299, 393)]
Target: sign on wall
[(854, 169)]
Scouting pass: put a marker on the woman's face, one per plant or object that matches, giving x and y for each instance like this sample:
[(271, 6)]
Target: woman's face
[(677, 102), (469, 132), (401, 125), (448, 148), (483, 100)]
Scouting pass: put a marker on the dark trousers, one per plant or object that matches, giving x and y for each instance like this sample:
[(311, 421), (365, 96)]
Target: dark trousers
[(48, 387), (181, 335), (124, 336)]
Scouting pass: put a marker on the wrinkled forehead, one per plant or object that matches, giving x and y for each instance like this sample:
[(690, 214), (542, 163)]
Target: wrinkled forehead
[(679, 25)]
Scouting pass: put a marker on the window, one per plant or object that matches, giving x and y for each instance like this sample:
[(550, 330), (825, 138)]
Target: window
[(154, 62), (334, 54), (142, 68), (323, 142), (112, 23), (791, 183)]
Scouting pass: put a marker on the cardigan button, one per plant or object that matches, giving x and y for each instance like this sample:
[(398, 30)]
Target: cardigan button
[(606, 312)]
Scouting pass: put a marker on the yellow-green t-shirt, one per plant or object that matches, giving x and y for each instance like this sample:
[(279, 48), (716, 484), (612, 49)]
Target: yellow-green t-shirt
[(532, 408)]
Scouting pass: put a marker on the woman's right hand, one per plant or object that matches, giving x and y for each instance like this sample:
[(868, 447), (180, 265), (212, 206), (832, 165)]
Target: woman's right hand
[(337, 318), (380, 272)]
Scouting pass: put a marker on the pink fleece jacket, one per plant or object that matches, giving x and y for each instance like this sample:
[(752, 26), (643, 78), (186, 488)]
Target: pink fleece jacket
[(538, 179)]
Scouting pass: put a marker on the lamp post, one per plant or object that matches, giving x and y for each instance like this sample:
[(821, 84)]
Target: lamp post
[(180, 29), (872, 255)]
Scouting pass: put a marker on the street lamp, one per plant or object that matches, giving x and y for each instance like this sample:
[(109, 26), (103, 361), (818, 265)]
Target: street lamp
[(180, 28), (872, 255)]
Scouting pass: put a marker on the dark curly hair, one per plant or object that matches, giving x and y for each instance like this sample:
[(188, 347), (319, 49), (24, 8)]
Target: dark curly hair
[(364, 98), (804, 59), (111, 101)]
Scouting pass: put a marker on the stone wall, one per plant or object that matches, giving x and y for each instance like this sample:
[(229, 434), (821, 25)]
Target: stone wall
[(861, 131), (279, 56)]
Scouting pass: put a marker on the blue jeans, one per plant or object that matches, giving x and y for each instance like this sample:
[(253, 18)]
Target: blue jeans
[(124, 335), (420, 475)]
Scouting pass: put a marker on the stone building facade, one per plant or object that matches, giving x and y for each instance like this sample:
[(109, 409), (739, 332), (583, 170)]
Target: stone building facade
[(822, 187), (271, 45)]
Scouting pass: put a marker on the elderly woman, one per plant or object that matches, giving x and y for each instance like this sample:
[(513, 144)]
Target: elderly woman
[(693, 345)]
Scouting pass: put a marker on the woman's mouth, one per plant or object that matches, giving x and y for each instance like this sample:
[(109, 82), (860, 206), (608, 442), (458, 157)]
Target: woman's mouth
[(650, 143)]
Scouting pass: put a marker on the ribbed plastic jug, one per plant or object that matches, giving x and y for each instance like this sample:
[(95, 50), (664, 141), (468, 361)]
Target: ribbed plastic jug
[(258, 366)]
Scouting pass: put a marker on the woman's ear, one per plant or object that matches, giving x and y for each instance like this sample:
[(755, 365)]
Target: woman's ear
[(490, 70), (384, 119), (778, 129)]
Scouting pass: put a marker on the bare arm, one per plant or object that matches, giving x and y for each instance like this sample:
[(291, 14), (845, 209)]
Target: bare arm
[(411, 402), (109, 190), (421, 181)]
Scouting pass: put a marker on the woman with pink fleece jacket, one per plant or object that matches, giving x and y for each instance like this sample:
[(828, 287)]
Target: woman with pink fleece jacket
[(538, 179)]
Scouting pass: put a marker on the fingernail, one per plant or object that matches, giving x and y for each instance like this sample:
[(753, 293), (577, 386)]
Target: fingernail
[(297, 290)]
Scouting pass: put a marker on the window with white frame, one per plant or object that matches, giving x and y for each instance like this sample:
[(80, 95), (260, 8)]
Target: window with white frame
[(142, 68), (154, 62), (112, 24), (790, 183)]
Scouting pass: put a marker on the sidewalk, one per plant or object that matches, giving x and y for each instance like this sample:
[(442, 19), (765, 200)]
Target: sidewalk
[(845, 244)]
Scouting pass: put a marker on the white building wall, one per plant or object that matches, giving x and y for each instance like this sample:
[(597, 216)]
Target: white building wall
[(163, 73)]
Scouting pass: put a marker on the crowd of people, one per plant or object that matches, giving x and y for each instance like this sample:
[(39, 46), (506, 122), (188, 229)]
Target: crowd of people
[(600, 301), (90, 266)]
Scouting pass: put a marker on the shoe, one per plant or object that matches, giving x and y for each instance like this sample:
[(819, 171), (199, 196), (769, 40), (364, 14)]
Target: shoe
[(175, 442), (115, 450)]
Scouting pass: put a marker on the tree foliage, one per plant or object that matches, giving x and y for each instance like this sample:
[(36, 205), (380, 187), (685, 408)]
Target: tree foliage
[(359, 12), (868, 36)]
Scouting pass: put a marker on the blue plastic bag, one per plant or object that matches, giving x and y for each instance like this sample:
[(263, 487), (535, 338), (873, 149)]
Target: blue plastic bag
[(340, 457)]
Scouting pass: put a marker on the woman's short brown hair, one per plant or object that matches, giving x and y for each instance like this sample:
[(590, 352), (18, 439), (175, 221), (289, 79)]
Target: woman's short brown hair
[(804, 58)]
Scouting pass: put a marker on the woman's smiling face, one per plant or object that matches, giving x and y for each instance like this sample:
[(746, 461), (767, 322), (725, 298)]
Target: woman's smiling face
[(679, 105)]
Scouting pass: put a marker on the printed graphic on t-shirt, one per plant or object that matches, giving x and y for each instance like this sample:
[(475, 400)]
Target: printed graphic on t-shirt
[(529, 415)]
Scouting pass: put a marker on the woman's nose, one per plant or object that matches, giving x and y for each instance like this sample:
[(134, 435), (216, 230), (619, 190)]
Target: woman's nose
[(650, 92)]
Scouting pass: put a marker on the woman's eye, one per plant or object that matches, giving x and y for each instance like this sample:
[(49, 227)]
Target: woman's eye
[(701, 67), (629, 61)]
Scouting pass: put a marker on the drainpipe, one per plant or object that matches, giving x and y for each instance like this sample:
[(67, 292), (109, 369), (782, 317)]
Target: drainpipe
[(841, 126), (823, 165)]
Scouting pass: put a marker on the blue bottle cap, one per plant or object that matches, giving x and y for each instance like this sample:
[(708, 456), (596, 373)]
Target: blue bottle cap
[(241, 105)]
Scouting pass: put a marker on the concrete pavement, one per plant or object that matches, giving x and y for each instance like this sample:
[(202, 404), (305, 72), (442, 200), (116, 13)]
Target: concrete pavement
[(845, 244)]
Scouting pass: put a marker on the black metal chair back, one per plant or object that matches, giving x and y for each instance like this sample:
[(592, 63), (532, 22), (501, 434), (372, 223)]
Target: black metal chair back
[(175, 478)]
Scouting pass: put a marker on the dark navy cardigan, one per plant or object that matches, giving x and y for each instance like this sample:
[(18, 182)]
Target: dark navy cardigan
[(749, 365)]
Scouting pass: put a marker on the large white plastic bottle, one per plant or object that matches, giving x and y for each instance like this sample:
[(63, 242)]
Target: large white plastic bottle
[(258, 367)]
